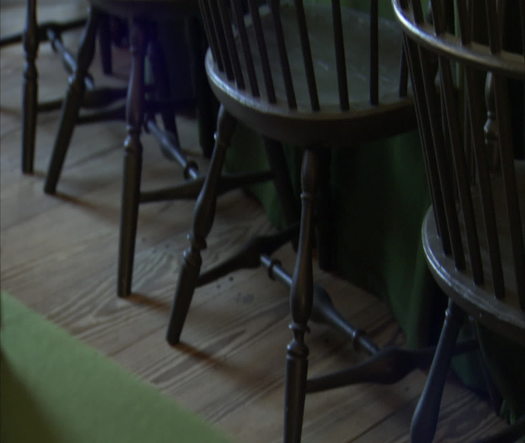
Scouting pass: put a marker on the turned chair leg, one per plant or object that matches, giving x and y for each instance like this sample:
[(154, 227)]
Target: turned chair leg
[(203, 216), (132, 160), (206, 103), (160, 73), (301, 300), (72, 102), (325, 243), (104, 44), (29, 88), (424, 421)]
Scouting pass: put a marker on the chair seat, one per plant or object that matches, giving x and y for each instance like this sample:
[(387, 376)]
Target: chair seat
[(504, 316), (314, 127)]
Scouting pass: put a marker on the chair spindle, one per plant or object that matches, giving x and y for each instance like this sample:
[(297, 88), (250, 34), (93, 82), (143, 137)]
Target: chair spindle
[(225, 15), (210, 32), (307, 55), (245, 44), (263, 52), (501, 96), (374, 52), (283, 54), (221, 39), (475, 95), (340, 57)]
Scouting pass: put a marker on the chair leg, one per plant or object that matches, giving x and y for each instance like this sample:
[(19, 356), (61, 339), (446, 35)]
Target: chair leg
[(426, 415), (202, 222), (205, 100), (104, 44), (162, 83), (72, 102), (29, 88), (301, 300), (132, 160), (326, 246)]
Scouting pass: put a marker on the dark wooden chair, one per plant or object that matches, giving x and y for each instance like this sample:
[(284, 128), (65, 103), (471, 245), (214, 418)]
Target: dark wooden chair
[(315, 76), (467, 63), (32, 36), (143, 103), (142, 18), (142, 29)]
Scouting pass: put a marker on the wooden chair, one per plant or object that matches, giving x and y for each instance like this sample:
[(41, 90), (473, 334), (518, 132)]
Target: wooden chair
[(142, 104), (312, 75), (144, 29), (141, 17), (33, 35), (467, 62)]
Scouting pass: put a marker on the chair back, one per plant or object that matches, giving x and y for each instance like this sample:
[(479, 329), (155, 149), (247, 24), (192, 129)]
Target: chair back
[(306, 55), (467, 64)]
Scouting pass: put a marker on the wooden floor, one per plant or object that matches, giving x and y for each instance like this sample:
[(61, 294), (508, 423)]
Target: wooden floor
[(58, 255)]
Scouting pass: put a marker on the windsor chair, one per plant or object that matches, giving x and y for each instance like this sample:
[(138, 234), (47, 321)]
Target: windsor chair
[(315, 76), (143, 19), (32, 36), (143, 102), (467, 64)]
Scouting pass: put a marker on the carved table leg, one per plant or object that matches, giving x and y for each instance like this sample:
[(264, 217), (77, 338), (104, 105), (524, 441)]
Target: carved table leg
[(202, 222), (30, 88), (301, 300), (132, 159), (426, 415), (72, 102)]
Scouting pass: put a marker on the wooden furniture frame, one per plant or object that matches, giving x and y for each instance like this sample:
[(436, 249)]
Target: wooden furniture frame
[(33, 34), (467, 63), (143, 18), (270, 66)]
